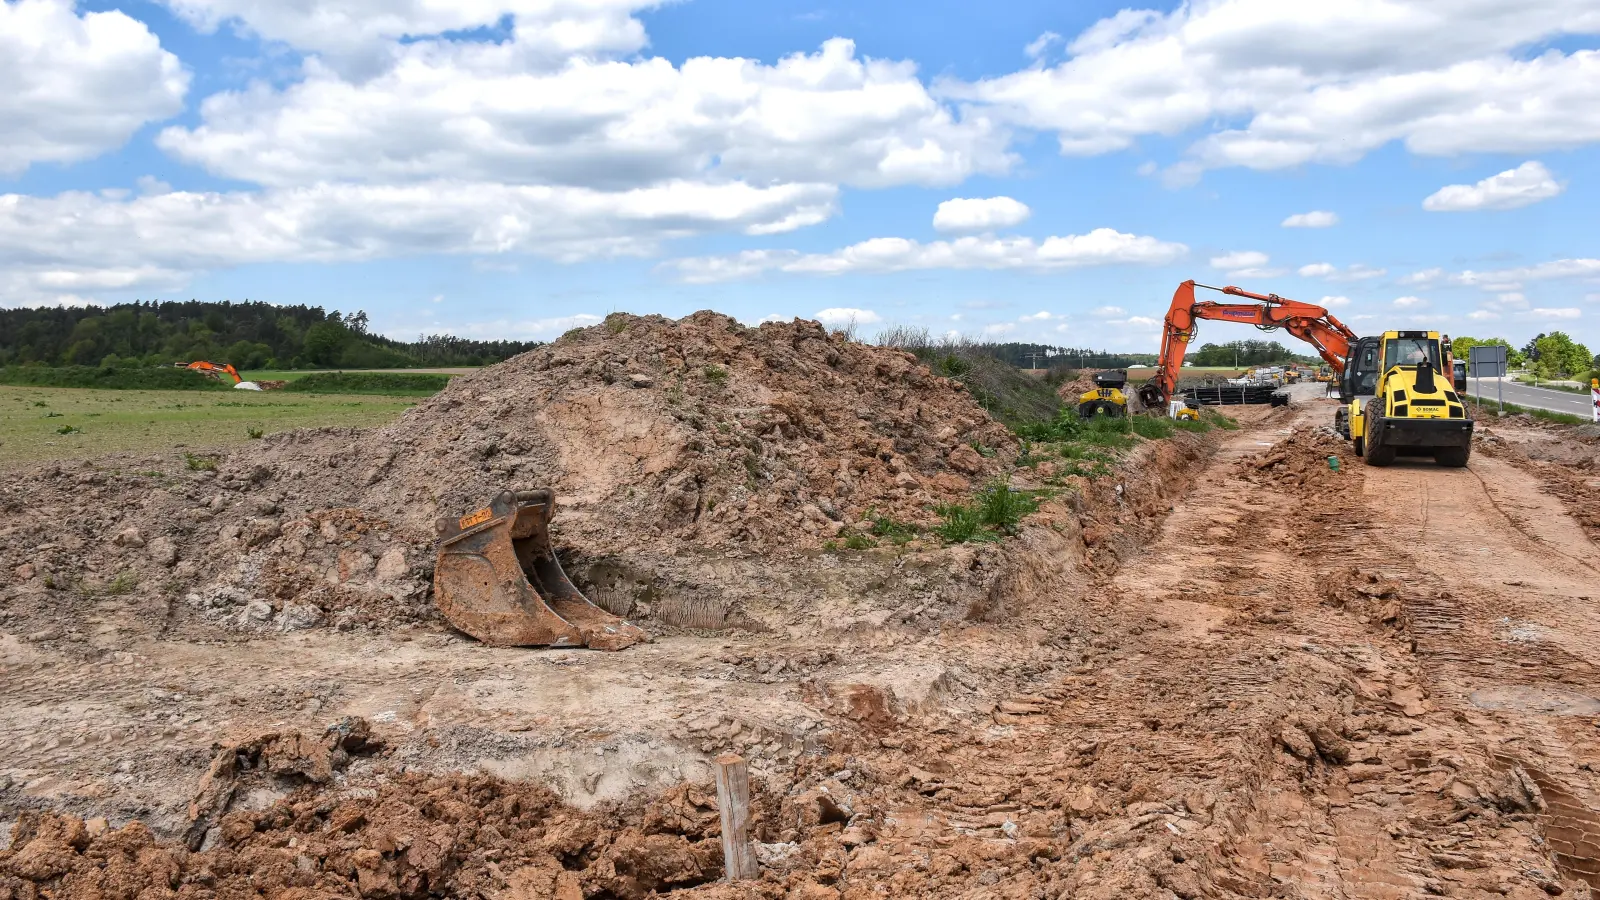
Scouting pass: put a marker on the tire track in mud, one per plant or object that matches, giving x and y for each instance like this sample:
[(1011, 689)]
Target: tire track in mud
[(1505, 621), (1412, 796)]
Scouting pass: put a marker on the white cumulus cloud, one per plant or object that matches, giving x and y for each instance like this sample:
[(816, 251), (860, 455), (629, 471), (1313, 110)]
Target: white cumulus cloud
[(73, 87), (1563, 312), (1425, 276), (1313, 82), (1500, 280), (1525, 185), (1356, 272), (1039, 45), (986, 214), (1103, 246), (77, 240), (844, 315), (362, 34), (481, 111), (1410, 302), (1333, 302), (1314, 219), (1243, 259)]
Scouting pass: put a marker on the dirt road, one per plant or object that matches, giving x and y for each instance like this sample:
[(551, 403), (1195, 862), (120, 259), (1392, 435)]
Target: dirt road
[(1307, 683)]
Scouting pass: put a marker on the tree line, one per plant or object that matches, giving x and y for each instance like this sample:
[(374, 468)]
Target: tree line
[(250, 335), (1553, 355), (921, 341), (1246, 353)]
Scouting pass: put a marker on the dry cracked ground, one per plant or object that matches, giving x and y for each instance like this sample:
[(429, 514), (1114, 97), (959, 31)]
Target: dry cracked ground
[(1301, 681)]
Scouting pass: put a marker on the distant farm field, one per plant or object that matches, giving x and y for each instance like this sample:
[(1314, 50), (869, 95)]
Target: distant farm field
[(38, 424)]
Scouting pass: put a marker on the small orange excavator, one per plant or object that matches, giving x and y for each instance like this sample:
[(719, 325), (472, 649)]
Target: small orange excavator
[(212, 370), (1306, 321)]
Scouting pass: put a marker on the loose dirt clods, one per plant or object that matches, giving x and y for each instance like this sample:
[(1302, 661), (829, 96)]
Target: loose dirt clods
[(1220, 669)]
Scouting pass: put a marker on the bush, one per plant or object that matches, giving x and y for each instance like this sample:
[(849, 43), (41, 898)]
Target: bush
[(157, 378), (1003, 508), (961, 523), (402, 383)]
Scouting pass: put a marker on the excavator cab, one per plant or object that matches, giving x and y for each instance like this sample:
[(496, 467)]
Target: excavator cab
[(497, 579), (1358, 382), (1107, 398), (1400, 399)]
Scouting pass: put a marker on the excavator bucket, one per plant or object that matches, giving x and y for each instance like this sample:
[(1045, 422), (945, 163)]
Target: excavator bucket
[(498, 579)]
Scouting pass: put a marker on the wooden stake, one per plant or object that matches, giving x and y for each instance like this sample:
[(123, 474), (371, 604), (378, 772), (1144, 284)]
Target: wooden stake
[(733, 802)]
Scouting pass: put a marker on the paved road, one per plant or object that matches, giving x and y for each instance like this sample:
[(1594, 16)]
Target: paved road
[(1531, 397)]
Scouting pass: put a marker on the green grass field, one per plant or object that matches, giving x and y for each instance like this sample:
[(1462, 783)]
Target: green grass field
[(33, 419)]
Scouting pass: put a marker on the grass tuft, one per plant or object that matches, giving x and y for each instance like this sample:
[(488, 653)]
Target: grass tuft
[(890, 530), (199, 463), (1002, 508), (859, 542), (961, 523)]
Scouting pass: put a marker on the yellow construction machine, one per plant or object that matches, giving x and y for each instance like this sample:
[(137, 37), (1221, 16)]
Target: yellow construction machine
[(497, 579), (1107, 398), (1401, 400)]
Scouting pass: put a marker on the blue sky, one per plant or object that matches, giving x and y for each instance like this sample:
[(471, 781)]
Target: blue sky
[(510, 168)]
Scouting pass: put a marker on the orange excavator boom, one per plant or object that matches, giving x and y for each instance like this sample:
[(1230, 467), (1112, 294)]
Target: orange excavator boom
[(1306, 321), (213, 370)]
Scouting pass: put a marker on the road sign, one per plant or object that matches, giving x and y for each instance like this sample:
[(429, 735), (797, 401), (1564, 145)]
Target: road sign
[(1594, 397), (1487, 361)]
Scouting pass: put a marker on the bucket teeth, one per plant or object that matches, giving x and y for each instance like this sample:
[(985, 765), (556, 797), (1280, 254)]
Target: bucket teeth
[(497, 578)]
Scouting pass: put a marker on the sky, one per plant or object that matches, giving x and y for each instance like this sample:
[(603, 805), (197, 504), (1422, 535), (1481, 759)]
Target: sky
[(1024, 170)]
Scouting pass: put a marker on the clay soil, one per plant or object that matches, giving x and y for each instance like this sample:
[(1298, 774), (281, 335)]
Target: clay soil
[(1224, 670)]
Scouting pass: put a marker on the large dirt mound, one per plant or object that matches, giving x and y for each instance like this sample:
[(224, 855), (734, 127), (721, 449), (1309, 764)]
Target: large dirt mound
[(658, 434)]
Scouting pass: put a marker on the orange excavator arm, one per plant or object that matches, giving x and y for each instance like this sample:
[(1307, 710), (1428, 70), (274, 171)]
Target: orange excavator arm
[(1306, 321), (214, 370)]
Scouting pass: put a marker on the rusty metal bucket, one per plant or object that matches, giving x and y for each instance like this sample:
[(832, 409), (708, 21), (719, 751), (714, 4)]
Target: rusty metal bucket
[(498, 579)]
